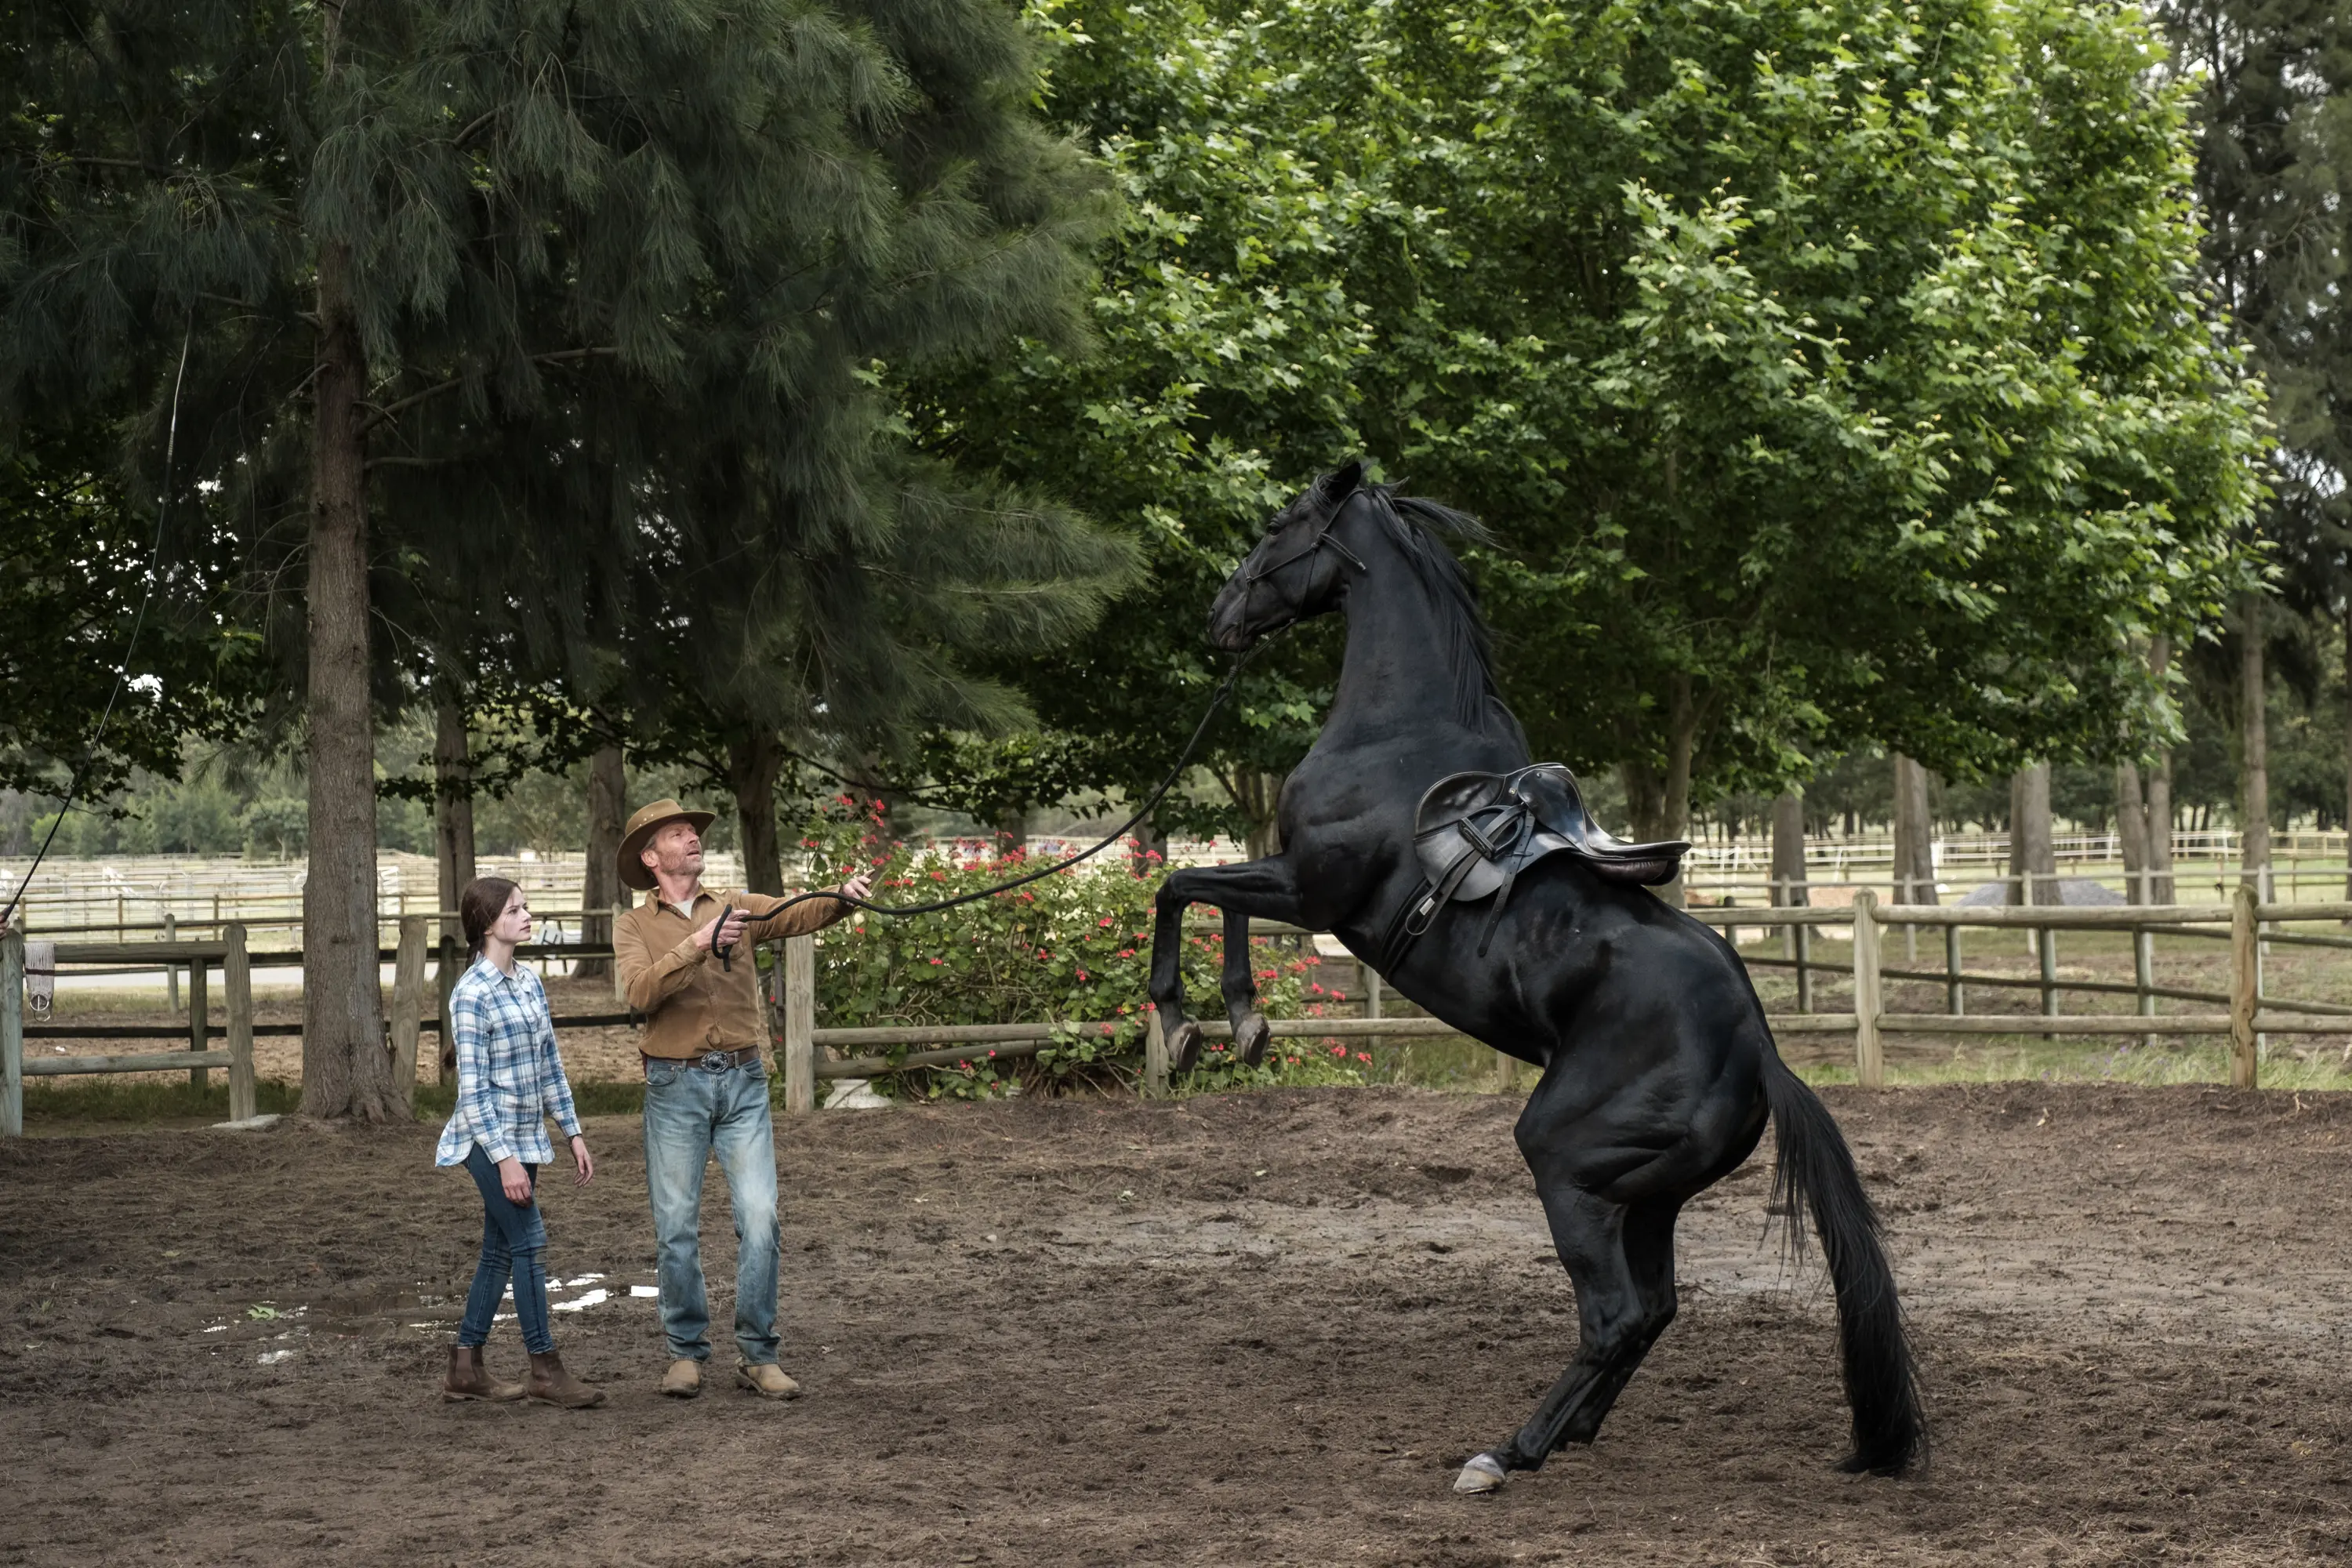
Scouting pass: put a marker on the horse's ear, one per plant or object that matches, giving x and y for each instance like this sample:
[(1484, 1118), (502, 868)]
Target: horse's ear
[(1341, 482)]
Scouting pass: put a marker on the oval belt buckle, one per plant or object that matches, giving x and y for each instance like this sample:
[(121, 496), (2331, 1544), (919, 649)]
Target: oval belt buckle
[(716, 1061)]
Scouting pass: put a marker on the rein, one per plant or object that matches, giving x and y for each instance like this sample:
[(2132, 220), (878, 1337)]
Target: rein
[(1185, 760)]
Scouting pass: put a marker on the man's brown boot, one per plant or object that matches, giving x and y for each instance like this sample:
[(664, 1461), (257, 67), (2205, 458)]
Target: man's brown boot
[(683, 1380), (767, 1380), (551, 1384), (468, 1379)]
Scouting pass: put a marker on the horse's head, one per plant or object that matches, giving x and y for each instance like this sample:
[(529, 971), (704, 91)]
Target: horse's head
[(1298, 570)]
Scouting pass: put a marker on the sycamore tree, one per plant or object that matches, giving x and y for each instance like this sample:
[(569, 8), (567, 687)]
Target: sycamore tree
[(1831, 373), (474, 243)]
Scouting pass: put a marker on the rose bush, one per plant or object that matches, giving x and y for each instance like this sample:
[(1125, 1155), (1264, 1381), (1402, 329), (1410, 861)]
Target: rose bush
[(1074, 948)]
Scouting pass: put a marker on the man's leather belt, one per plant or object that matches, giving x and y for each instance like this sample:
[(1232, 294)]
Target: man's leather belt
[(714, 1061)]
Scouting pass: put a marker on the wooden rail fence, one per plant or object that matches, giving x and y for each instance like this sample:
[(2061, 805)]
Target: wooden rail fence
[(2245, 922)]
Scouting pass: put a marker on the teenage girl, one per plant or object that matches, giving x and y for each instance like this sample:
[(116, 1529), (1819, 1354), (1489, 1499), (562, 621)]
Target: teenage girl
[(509, 1081)]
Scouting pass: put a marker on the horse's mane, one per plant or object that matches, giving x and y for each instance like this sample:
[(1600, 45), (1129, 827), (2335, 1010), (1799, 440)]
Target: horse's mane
[(1415, 525)]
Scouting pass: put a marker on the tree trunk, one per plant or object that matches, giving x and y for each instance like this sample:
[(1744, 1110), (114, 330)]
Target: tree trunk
[(346, 1064), (1012, 825), (453, 806), (1788, 849), (2031, 854), (1151, 845), (1914, 835), (2254, 799), (1259, 795), (1682, 744), (754, 765), (2160, 796), (600, 888), (2131, 832), (1645, 802)]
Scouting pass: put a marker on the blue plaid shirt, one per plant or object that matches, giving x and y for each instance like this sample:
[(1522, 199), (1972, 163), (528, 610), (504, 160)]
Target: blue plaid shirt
[(510, 1075)]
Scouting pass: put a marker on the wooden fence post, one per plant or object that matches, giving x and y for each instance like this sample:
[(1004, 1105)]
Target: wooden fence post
[(2046, 945), (620, 989), (1869, 1056), (1155, 1057), (2143, 977), (1804, 952), (445, 980), (200, 1016), (800, 1024), (2245, 986), (12, 1034), (1956, 994), (407, 1005), (237, 980), (172, 972)]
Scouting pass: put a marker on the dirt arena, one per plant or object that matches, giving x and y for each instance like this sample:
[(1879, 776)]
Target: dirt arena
[(1259, 1329)]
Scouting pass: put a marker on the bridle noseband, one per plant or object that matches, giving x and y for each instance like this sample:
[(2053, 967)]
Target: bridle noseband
[(1323, 536)]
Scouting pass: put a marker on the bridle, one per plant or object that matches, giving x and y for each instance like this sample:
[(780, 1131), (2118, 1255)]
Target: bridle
[(1323, 536)]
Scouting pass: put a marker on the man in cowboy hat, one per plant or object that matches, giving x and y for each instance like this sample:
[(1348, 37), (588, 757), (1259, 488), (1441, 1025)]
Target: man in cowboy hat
[(706, 1091)]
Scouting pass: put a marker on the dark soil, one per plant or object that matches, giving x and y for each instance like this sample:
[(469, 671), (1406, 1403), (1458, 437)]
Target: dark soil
[(1249, 1329)]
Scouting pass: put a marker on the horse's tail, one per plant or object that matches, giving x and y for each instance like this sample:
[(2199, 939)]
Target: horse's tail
[(1814, 1170)]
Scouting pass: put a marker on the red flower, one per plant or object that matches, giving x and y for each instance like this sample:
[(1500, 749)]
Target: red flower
[(1082, 976), (1340, 1051)]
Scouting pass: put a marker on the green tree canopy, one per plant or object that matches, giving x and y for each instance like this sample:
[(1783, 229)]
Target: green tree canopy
[(454, 274), (1833, 374)]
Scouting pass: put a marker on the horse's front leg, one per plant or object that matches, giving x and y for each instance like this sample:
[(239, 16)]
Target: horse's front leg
[(1261, 887)]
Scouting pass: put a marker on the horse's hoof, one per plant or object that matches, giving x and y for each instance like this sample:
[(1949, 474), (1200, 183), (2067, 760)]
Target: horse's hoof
[(1183, 1046), (1250, 1039), (1481, 1475)]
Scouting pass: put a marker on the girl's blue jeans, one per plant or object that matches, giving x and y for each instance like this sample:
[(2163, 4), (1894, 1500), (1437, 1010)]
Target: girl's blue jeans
[(513, 1237)]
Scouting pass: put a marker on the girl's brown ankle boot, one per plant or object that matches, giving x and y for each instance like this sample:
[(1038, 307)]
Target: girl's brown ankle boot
[(469, 1379), (551, 1384)]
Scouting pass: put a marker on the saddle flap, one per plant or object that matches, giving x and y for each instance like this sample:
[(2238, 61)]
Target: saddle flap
[(1473, 835), (1474, 832), (1551, 793)]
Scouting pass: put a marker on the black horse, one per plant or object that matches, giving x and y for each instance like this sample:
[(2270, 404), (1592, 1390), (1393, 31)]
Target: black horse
[(1658, 1067)]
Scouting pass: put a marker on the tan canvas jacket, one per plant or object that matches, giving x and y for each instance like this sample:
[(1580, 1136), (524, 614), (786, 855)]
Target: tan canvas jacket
[(692, 1004)]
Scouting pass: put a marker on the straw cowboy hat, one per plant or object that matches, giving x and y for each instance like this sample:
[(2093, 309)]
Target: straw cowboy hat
[(647, 821)]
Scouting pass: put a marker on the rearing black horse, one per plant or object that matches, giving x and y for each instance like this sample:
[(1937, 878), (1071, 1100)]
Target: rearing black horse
[(1658, 1068)]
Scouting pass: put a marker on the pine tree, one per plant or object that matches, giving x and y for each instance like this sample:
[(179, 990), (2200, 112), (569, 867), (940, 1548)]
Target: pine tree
[(432, 257), (2272, 81)]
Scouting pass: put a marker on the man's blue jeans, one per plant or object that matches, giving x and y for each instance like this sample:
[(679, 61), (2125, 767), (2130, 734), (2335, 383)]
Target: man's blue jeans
[(690, 1115)]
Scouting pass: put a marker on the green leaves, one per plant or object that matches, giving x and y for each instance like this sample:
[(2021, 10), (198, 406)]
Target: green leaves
[(1074, 948)]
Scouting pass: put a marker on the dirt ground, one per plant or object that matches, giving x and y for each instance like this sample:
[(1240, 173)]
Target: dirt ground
[(1255, 1329)]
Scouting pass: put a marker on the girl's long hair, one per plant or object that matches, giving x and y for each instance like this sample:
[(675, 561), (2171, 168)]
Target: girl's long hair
[(479, 908)]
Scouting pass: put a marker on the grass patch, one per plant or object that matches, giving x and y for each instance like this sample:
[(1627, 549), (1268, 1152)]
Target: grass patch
[(147, 1099), (435, 1101), (2031, 1060)]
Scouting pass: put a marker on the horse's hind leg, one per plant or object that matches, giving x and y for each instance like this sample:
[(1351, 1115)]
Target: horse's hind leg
[(1621, 1259)]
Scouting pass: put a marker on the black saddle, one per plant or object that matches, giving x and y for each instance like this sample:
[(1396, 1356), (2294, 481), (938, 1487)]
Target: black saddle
[(1475, 833)]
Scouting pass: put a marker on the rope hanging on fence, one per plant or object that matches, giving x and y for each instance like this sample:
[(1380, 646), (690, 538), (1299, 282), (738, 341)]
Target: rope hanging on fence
[(1183, 760)]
